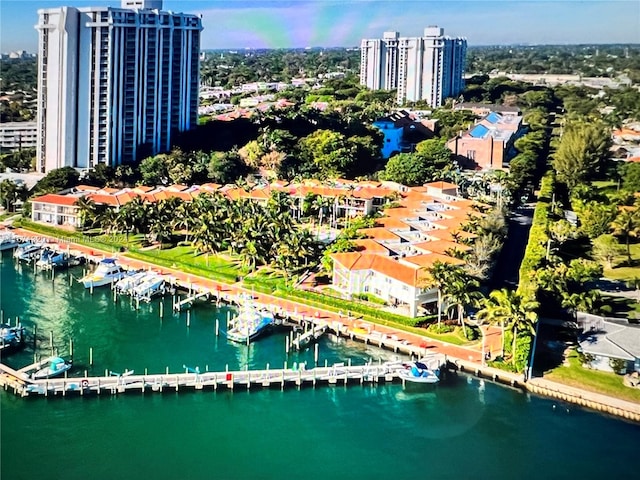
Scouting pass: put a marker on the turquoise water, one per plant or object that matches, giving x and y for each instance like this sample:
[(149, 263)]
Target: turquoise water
[(466, 428)]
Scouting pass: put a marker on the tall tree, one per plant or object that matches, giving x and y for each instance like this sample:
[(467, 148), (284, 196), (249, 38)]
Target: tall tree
[(627, 224), (510, 309), (582, 153)]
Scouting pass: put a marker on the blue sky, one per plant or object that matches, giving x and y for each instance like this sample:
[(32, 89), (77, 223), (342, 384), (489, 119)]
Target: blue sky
[(301, 23)]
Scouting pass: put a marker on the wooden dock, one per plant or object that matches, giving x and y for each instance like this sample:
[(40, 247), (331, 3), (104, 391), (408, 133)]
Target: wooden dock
[(338, 374), (202, 293), (304, 339)]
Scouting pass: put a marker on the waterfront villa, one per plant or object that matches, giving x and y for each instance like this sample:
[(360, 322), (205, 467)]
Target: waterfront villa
[(393, 260), (54, 209)]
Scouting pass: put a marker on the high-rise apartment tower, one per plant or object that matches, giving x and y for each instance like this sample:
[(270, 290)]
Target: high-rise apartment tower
[(428, 68), (114, 84)]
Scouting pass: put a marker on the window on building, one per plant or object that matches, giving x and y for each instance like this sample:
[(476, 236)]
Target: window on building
[(471, 154)]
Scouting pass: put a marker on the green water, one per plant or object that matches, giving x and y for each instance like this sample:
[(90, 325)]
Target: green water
[(466, 428)]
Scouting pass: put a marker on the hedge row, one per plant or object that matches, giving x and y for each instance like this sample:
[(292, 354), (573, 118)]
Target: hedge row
[(536, 250), (280, 289)]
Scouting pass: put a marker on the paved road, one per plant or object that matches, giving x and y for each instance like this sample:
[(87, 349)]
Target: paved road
[(509, 260)]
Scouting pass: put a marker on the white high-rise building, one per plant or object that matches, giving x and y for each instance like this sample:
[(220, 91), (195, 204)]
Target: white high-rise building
[(114, 84), (429, 68)]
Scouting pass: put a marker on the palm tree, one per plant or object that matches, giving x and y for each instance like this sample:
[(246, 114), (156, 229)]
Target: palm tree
[(508, 307), (459, 292), (87, 212), (627, 224), (438, 277), (108, 220)]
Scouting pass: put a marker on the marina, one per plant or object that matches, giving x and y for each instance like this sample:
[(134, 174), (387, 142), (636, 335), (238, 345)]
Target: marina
[(254, 426)]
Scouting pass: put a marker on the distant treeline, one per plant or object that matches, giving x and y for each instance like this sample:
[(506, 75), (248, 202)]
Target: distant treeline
[(227, 68)]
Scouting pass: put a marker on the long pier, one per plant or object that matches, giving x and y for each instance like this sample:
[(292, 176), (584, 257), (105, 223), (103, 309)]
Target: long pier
[(338, 374)]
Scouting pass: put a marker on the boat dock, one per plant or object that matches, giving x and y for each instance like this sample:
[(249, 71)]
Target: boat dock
[(304, 339), (201, 293), (338, 374)]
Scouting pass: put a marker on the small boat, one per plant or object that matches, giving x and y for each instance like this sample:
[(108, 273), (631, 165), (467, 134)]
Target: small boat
[(8, 241), (418, 372), (45, 255), (57, 366), (57, 260), (127, 284), (250, 324), (27, 251), (65, 260), (108, 272), (151, 284), (11, 335)]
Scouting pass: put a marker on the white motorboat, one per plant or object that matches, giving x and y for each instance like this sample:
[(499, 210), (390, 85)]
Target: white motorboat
[(152, 283), (8, 240), (250, 324), (127, 284), (108, 271), (27, 251), (57, 366), (46, 254), (418, 372)]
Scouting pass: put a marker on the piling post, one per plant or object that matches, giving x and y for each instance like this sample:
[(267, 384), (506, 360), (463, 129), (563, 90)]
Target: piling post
[(71, 348), (91, 288), (167, 371), (91, 356), (161, 309), (315, 353), (137, 302), (286, 344), (51, 341), (1, 316), (188, 318), (217, 327), (35, 336), (228, 318)]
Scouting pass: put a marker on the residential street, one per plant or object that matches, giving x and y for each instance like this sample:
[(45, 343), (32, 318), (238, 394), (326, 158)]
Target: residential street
[(508, 264)]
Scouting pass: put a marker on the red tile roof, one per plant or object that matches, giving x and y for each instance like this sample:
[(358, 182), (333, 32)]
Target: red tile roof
[(102, 199), (55, 199)]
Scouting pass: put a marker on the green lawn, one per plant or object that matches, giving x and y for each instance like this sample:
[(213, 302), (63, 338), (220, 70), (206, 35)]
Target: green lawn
[(606, 186), (625, 273), (575, 375), (184, 258)]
